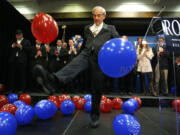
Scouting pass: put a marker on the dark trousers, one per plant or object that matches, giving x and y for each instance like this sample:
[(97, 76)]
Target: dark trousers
[(17, 76), (80, 63), (143, 82), (126, 83)]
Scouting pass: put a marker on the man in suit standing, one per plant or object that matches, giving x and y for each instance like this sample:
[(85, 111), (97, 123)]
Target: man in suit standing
[(57, 56), (18, 62), (72, 50), (95, 35), (160, 64)]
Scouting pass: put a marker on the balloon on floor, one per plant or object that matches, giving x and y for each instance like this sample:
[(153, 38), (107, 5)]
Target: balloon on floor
[(88, 97), (87, 106), (67, 107), (8, 124), (12, 97), (24, 115), (117, 57), (125, 124), (11, 108), (19, 103), (117, 103), (3, 100), (176, 104), (129, 107), (26, 98), (138, 100), (45, 109)]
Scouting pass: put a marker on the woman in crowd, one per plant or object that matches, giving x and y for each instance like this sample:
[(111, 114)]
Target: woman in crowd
[(144, 55)]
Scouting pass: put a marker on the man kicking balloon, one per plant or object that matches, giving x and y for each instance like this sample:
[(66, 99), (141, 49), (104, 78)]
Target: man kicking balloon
[(95, 35)]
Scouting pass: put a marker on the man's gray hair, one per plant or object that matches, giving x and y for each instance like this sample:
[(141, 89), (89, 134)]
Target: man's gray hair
[(99, 7)]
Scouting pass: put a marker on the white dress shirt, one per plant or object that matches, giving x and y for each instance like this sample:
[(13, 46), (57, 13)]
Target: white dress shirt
[(96, 29), (18, 42), (58, 48)]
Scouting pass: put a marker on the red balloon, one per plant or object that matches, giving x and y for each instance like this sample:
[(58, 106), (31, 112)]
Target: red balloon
[(106, 105), (3, 100), (117, 103), (138, 100), (2, 87), (75, 98), (103, 97), (11, 108), (26, 98), (63, 97), (80, 104), (67, 97), (55, 101), (44, 28), (176, 104), (53, 97)]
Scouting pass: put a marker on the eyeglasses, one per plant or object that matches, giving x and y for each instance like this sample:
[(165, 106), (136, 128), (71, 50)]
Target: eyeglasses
[(98, 15)]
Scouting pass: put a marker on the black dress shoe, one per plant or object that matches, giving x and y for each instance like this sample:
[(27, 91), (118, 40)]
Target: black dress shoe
[(48, 81), (94, 123)]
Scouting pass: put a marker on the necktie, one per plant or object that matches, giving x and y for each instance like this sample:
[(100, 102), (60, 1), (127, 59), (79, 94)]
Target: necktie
[(95, 31)]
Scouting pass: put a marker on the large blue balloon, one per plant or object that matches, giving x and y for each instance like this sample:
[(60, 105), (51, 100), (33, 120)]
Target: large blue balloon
[(12, 97), (19, 103), (88, 97), (24, 114), (87, 106), (67, 107), (129, 107), (45, 109), (125, 124), (8, 124), (117, 57)]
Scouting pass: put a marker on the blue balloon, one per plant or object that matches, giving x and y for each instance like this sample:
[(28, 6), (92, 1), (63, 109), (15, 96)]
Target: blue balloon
[(117, 57), (19, 103), (8, 124), (134, 101), (125, 124), (12, 97), (88, 97), (87, 106), (67, 107), (129, 107), (24, 114), (45, 109)]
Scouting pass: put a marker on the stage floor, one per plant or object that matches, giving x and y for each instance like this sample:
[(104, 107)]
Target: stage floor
[(151, 120)]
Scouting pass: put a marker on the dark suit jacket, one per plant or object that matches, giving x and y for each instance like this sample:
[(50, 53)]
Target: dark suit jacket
[(95, 43), (39, 60), (163, 58), (62, 55), (22, 53)]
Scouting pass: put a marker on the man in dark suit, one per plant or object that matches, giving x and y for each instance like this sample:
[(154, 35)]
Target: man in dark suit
[(72, 50), (18, 62), (160, 64), (58, 55), (37, 55), (95, 35)]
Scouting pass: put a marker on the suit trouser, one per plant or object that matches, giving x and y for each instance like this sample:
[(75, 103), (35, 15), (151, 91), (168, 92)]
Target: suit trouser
[(17, 76), (83, 61), (161, 75)]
